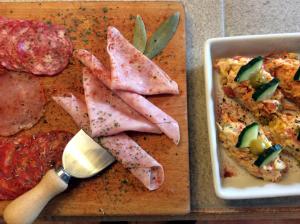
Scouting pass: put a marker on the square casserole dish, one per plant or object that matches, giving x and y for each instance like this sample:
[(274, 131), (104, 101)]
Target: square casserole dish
[(243, 185)]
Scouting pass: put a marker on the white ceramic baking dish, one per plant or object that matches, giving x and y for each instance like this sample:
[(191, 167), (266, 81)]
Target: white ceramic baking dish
[(243, 185)]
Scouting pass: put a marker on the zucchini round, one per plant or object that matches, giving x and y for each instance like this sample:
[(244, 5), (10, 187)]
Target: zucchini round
[(248, 134), (249, 69), (266, 90), (268, 155), (297, 75)]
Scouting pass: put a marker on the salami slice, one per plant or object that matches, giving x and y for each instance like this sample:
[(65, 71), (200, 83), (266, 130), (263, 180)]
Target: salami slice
[(122, 147), (25, 159), (133, 71), (21, 103), (34, 47), (108, 114), (5, 35), (166, 123)]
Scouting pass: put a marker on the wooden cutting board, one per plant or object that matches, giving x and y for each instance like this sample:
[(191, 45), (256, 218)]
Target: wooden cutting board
[(115, 191)]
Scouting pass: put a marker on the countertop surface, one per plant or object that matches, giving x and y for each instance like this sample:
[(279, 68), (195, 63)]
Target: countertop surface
[(216, 18)]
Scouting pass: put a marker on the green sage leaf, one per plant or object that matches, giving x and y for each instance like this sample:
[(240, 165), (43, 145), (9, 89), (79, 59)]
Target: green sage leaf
[(161, 37), (139, 35)]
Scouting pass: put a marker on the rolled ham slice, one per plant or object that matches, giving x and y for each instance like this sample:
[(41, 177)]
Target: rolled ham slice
[(166, 123), (108, 114), (135, 159), (133, 71), (122, 147)]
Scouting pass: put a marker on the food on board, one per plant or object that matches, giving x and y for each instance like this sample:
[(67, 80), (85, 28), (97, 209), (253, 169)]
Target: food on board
[(132, 71), (165, 123), (108, 114), (122, 147)]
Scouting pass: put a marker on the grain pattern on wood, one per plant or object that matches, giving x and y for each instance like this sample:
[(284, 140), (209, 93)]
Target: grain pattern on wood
[(116, 191)]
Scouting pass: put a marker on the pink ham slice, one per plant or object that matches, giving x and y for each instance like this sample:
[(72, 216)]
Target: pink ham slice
[(133, 71), (125, 150), (21, 103), (74, 105), (108, 114), (166, 123), (134, 158)]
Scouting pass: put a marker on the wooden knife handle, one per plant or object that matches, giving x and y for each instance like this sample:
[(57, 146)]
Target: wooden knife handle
[(27, 207)]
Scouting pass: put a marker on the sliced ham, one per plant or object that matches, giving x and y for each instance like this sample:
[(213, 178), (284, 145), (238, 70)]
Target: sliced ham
[(122, 147), (74, 105), (108, 114), (133, 157), (90, 61), (166, 123), (133, 71), (21, 103)]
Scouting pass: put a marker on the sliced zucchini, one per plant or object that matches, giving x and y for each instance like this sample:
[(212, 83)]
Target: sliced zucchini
[(249, 69), (297, 75), (248, 134), (268, 155), (265, 91)]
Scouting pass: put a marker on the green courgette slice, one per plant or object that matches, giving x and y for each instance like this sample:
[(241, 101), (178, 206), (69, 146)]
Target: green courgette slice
[(268, 155), (249, 69), (266, 90), (248, 134), (297, 75)]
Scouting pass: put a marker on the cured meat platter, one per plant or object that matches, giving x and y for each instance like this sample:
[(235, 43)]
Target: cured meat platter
[(115, 191)]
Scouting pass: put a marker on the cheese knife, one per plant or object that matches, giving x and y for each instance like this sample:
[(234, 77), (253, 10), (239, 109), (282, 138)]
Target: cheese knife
[(82, 158)]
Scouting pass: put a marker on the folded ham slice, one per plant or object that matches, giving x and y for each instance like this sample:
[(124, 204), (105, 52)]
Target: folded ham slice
[(166, 123), (134, 158), (108, 114), (74, 105), (21, 103), (133, 71), (125, 150)]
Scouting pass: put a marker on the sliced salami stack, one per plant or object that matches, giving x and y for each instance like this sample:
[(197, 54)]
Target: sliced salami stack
[(25, 159), (33, 46)]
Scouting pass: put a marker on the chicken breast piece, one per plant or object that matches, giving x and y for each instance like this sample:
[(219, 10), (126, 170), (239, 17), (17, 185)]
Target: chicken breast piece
[(284, 67), (242, 92), (284, 130), (228, 135)]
